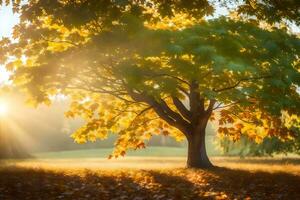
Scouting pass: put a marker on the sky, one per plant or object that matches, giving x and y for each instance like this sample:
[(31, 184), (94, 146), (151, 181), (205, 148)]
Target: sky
[(7, 21)]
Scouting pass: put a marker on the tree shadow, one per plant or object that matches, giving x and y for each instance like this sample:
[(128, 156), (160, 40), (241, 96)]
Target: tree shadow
[(22, 183), (257, 185), (224, 183), (175, 184), (259, 160)]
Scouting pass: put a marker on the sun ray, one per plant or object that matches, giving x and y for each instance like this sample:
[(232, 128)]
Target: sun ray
[(3, 108), (15, 135)]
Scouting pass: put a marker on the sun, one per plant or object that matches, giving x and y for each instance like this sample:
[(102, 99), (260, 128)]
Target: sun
[(3, 108)]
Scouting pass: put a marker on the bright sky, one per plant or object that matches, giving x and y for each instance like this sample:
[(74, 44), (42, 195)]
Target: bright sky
[(7, 21)]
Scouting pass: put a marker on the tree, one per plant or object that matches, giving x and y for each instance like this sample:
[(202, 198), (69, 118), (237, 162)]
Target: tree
[(267, 147), (281, 11), (139, 68)]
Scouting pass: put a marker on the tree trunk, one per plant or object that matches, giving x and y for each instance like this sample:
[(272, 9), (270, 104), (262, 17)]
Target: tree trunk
[(197, 156)]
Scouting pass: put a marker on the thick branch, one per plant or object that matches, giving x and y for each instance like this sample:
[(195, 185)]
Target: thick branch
[(183, 90), (163, 110), (210, 106), (173, 122), (176, 116), (182, 109)]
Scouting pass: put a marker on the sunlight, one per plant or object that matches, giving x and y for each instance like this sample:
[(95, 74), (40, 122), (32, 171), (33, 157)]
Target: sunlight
[(3, 109), (18, 134), (4, 76), (6, 28), (10, 21)]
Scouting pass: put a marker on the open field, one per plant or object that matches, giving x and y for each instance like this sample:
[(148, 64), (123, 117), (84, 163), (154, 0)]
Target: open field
[(149, 178), (270, 165), (154, 158), (104, 152)]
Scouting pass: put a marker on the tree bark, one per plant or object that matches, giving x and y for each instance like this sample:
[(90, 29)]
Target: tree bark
[(197, 155)]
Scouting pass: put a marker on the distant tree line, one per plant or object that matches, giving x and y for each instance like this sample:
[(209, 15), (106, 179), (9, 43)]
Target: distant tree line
[(269, 146)]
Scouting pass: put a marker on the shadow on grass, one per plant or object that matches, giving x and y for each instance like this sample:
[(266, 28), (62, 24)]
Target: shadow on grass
[(222, 183), (256, 185), (259, 160)]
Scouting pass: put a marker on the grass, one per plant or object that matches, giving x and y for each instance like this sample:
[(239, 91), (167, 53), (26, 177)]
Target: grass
[(141, 178), (153, 158), (104, 152), (155, 173)]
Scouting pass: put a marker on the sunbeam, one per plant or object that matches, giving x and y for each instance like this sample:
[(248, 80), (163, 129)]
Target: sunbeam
[(3, 109), (14, 141), (17, 133)]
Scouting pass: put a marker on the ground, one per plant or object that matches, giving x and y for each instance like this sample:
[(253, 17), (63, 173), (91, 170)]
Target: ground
[(148, 177)]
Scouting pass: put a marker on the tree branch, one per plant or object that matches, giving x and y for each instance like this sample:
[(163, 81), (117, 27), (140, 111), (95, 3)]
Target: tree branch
[(249, 122), (139, 114), (176, 116), (174, 77), (163, 110), (225, 106), (103, 91), (181, 108), (238, 82), (210, 106), (61, 41), (183, 90)]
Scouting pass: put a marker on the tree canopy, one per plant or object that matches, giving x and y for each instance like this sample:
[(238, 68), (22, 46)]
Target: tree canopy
[(138, 68), (272, 11)]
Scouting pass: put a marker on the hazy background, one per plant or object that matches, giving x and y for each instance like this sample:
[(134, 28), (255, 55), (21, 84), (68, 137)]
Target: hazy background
[(46, 129)]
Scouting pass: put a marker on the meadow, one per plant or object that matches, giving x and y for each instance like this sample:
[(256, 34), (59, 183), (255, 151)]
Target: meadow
[(155, 173)]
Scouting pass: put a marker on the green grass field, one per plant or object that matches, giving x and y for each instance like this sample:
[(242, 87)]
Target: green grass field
[(150, 158), (104, 153)]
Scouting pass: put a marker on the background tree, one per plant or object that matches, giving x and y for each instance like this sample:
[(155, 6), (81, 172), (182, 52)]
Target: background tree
[(269, 144), (140, 68), (267, 147)]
